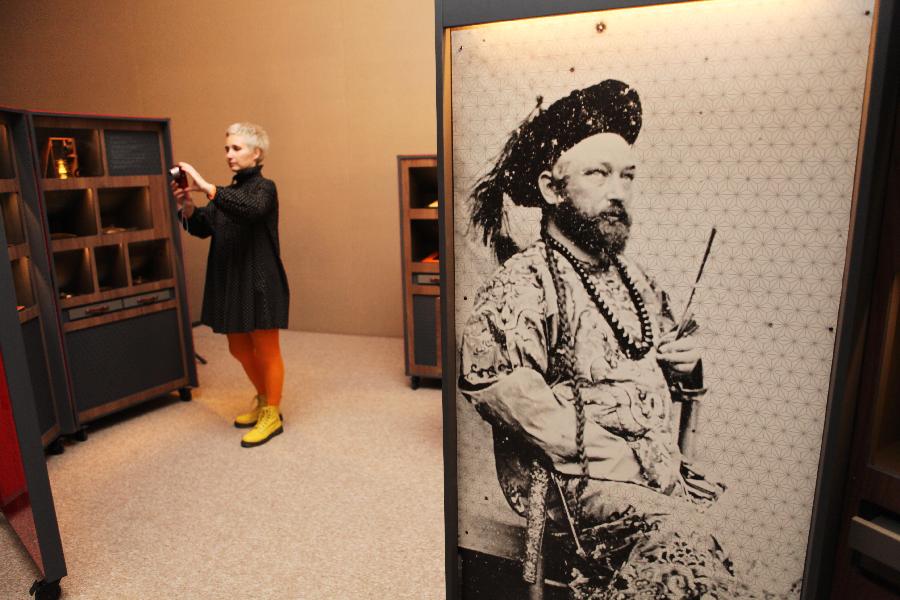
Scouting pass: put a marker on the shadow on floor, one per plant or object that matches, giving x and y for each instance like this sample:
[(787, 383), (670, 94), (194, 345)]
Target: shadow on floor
[(132, 412)]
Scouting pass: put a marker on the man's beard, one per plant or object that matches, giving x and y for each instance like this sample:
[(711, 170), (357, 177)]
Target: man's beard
[(603, 234)]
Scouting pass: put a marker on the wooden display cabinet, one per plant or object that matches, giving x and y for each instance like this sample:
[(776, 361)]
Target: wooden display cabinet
[(419, 239), (119, 278)]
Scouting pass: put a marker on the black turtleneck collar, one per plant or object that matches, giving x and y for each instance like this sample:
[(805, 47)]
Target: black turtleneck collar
[(248, 173)]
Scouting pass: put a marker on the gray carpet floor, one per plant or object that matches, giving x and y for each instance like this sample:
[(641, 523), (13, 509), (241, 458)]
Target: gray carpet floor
[(162, 502)]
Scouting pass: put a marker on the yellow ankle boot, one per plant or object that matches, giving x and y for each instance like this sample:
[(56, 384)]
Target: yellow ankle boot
[(248, 419), (268, 426)]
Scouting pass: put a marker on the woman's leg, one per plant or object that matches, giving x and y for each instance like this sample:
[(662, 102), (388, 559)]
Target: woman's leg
[(241, 347), (271, 370), (269, 363)]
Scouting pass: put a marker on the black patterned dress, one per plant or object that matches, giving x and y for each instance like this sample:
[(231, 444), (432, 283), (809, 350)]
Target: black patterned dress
[(246, 285)]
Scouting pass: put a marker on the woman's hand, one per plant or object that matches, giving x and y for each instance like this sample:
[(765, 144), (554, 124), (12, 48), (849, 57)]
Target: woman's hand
[(680, 355), (183, 200), (196, 183)]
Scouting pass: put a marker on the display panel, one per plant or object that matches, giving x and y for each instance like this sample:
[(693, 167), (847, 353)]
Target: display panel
[(132, 152), (21, 502), (746, 119), (14, 498)]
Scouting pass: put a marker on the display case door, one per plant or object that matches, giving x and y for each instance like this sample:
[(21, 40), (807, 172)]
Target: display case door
[(14, 497), (25, 497), (868, 560)]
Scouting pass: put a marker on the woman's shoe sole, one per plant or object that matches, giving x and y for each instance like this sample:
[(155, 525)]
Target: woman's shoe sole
[(278, 431)]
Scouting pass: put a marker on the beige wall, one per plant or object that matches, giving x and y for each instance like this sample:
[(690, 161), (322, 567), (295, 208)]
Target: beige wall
[(342, 87)]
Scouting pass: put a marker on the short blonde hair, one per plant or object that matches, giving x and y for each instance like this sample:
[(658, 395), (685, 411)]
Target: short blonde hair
[(255, 135)]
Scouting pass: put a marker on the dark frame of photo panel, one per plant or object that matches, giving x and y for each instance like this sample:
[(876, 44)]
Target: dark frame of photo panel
[(883, 77)]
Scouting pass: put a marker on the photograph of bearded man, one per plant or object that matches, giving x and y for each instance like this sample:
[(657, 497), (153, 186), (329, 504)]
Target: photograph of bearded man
[(572, 356)]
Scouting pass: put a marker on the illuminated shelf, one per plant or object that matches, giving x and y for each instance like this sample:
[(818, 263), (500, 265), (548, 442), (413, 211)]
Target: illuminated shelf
[(21, 276), (11, 213), (87, 147)]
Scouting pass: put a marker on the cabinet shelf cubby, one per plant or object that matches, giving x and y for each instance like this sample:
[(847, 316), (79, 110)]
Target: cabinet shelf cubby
[(886, 445), (124, 209), (73, 273), (424, 241), (11, 209), (149, 261), (21, 276), (87, 150), (112, 272), (423, 188), (7, 164), (70, 213)]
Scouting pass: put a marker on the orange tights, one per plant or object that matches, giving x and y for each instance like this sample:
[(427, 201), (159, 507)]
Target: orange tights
[(260, 355)]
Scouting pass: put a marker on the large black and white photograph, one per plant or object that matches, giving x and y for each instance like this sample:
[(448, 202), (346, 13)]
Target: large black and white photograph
[(651, 209)]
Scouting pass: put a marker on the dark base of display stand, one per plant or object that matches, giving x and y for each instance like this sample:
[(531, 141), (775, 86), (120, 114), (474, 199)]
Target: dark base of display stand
[(185, 394), (45, 590), (55, 447), (416, 381)]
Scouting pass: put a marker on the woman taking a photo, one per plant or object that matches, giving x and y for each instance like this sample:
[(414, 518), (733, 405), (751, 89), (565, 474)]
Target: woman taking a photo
[(246, 293)]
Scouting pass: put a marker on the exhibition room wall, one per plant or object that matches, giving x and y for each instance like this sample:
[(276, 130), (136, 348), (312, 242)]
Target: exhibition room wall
[(342, 87)]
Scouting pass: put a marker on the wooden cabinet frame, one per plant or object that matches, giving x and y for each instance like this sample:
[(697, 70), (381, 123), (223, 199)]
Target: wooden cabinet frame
[(419, 238)]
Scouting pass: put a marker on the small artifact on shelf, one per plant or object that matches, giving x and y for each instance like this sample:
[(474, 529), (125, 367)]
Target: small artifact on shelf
[(114, 229), (433, 204), (65, 295), (137, 280), (20, 307), (426, 279), (60, 158), (431, 258), (61, 235)]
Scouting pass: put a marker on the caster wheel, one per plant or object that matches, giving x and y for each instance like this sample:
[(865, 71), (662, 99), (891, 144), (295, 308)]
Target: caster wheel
[(185, 394), (414, 382), (80, 435), (45, 590), (55, 447)]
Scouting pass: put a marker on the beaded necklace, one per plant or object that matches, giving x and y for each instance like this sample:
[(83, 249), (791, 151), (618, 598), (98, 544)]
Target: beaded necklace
[(634, 349)]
